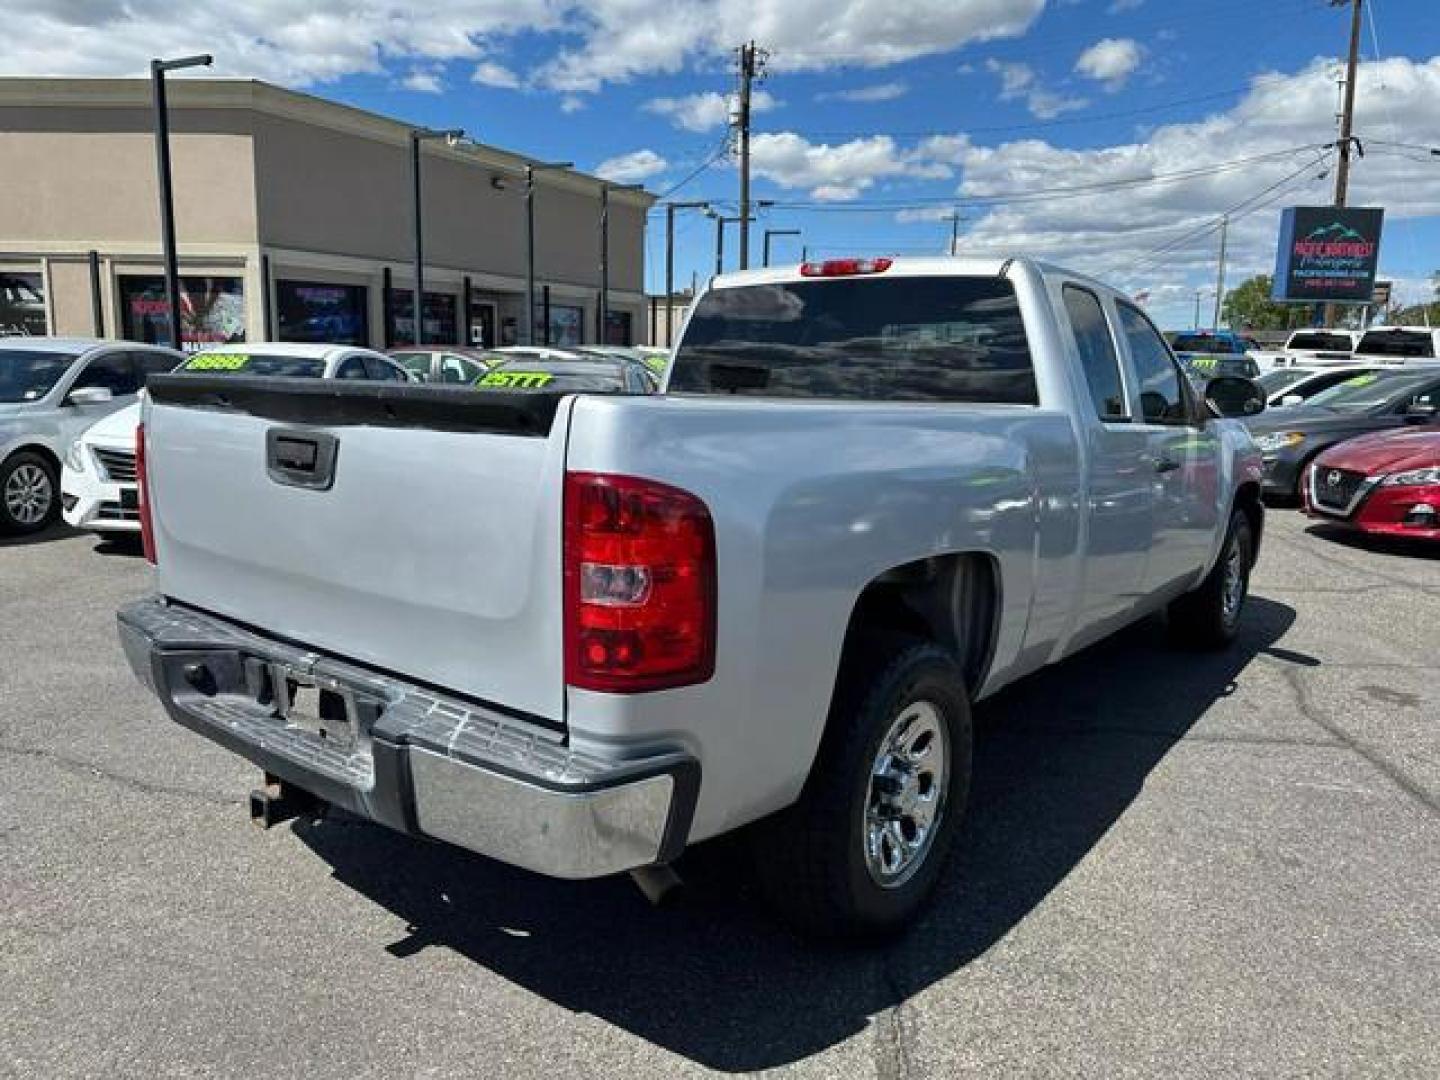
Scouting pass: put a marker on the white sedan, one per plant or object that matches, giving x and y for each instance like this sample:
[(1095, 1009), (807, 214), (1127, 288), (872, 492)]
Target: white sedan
[(97, 484)]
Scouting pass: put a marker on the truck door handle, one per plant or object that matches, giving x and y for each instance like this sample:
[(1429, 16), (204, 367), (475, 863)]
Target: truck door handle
[(1166, 464)]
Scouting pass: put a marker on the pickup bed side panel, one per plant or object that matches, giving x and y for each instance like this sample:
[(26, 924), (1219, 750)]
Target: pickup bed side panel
[(434, 555), (811, 501)]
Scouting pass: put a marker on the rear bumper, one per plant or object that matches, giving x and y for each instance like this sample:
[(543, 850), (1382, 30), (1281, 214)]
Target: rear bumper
[(419, 762)]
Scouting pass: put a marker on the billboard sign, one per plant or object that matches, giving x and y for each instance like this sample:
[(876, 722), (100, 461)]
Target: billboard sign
[(1327, 253)]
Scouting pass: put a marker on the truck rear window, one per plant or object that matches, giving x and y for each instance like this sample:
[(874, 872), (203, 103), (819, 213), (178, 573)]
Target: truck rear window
[(1414, 343), (874, 339), (1319, 341)]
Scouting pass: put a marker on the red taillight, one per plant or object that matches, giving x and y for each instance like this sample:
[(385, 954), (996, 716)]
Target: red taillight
[(142, 478), (844, 267), (639, 585)]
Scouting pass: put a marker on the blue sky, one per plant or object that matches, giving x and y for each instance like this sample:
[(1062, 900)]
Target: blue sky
[(1056, 128)]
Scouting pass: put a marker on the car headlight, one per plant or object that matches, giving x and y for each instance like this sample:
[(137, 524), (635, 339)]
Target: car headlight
[(1279, 440), (1413, 478), (74, 458)]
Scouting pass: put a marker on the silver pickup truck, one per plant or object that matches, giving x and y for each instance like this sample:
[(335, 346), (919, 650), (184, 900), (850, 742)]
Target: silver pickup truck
[(579, 632)]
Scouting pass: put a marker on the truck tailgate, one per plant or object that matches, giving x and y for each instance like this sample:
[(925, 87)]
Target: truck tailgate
[(431, 548)]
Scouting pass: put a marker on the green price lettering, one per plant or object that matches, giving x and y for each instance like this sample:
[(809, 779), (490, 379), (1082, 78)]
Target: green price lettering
[(218, 362), (516, 380)]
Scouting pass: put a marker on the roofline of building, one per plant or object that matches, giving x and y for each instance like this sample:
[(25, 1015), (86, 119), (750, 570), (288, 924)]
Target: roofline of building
[(263, 97)]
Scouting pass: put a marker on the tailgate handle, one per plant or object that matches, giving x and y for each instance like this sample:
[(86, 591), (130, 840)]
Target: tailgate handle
[(303, 459)]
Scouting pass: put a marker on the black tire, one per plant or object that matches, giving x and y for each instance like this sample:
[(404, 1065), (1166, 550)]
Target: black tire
[(1203, 618), (811, 857), (26, 479)]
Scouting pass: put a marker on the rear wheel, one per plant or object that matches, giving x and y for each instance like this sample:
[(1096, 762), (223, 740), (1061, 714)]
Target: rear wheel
[(861, 851), (29, 493), (1208, 617)]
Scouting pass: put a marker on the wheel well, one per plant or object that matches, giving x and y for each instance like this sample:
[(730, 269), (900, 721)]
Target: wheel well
[(35, 448), (951, 600), (1247, 500)]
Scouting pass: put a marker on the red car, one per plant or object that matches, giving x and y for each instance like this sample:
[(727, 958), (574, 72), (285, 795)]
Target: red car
[(1387, 483)]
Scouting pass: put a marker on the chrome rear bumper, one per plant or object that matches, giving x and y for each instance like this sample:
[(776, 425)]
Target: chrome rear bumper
[(414, 759)]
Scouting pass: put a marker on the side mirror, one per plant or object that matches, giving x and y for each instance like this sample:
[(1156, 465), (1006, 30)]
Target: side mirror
[(1420, 412), (90, 395), (1230, 395)]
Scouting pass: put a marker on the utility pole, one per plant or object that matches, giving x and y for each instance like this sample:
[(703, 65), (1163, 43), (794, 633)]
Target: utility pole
[(1220, 275), (1347, 120), (670, 209), (954, 231), (1197, 309), (752, 66)]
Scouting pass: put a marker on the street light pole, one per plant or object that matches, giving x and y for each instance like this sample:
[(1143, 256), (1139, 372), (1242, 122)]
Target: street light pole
[(670, 209), (765, 259), (158, 68), (604, 313), (417, 307), (531, 168)]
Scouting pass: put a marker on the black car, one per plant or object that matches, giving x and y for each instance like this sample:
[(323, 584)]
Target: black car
[(1375, 401), (589, 374)]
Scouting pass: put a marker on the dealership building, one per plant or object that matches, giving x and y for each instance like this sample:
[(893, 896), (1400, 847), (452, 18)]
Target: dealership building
[(293, 223)]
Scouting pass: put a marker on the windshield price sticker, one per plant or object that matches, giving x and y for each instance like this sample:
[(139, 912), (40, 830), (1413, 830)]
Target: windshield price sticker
[(516, 380), (218, 362)]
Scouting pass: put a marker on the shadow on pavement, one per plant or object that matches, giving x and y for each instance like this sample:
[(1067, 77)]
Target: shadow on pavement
[(122, 544), (1381, 545), (58, 531), (1059, 757)]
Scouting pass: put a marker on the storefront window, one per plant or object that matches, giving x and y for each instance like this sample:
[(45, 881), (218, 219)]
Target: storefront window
[(617, 328), (22, 304), (567, 325), (212, 310), (310, 311), (441, 321)]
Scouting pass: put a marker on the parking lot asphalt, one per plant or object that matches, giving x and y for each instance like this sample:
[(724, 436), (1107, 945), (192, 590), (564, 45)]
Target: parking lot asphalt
[(1174, 864)]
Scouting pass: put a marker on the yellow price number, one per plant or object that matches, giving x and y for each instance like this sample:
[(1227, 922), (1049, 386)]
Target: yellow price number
[(516, 380), (218, 362)]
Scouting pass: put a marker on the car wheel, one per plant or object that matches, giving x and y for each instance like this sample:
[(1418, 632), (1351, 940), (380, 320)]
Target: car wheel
[(29, 493), (1208, 617), (859, 854)]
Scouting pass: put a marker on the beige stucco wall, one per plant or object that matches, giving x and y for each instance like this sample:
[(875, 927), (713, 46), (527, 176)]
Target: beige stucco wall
[(330, 191), (89, 177)]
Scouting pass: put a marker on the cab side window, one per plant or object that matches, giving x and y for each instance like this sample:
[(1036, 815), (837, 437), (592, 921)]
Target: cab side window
[(384, 370), (155, 363), (1097, 354), (353, 367), (459, 369), (1161, 396), (114, 371)]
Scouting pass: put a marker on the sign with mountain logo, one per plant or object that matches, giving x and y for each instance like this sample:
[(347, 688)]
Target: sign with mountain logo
[(1328, 253)]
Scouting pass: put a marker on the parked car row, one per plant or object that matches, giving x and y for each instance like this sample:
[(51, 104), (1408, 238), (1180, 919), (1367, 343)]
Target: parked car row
[(69, 406)]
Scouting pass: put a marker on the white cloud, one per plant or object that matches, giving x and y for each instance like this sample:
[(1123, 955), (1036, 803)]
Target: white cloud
[(423, 82), (915, 215), (1110, 61), (632, 168), (878, 92), (571, 104), (582, 44), (841, 172), (489, 73), (1019, 82), (626, 38), (1118, 7), (1111, 232), (702, 112)]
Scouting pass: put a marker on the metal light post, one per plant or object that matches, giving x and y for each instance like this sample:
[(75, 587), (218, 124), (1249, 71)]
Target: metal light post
[(531, 168), (765, 260), (158, 68), (603, 315), (670, 209), (417, 136)]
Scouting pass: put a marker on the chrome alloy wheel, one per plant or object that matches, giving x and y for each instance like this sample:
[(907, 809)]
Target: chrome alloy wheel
[(1232, 589), (906, 796), (28, 494)]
